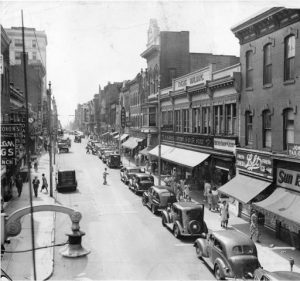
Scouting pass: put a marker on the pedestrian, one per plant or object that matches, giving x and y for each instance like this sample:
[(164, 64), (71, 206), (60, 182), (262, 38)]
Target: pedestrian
[(19, 184), (36, 183), (147, 164), (207, 187), (45, 183), (209, 199), (35, 165), (105, 173), (215, 199), (224, 213), (254, 230), (187, 192)]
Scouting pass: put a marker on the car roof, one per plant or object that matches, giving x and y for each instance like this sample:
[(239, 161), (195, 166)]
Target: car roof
[(143, 175), (232, 238), (188, 205), (160, 188), (132, 168)]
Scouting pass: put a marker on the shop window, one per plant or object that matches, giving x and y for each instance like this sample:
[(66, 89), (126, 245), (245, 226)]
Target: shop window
[(267, 71), (196, 120), (249, 128), (249, 69), (177, 121), (186, 120), (288, 128), (289, 58), (218, 119), (267, 129), (206, 120)]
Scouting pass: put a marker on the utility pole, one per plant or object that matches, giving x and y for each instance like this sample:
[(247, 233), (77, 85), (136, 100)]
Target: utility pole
[(159, 133), (50, 139), (27, 148)]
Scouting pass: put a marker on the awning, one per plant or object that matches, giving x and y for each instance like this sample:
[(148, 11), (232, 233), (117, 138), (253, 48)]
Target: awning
[(180, 156), (113, 134), (105, 134), (124, 136), (145, 151), (244, 188), (132, 143), (283, 203), (116, 136)]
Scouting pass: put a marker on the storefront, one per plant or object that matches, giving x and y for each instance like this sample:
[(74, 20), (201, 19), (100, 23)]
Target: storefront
[(132, 145), (252, 183)]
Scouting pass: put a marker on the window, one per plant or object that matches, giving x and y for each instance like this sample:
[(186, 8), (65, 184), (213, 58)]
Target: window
[(289, 57), (218, 119), (18, 43), (288, 128), (186, 120), (18, 55), (267, 72), (267, 129), (33, 44), (206, 120), (196, 120), (170, 117), (164, 118), (249, 131), (34, 55), (249, 69), (177, 121), (230, 119), (152, 116)]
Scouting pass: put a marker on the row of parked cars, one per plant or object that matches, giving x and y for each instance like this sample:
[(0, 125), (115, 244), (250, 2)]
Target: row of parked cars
[(229, 253)]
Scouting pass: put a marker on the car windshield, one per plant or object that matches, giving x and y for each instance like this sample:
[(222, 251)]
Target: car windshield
[(134, 171), (242, 250), (146, 179), (194, 214)]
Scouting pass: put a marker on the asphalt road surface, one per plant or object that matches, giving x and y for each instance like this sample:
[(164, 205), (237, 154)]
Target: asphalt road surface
[(126, 240)]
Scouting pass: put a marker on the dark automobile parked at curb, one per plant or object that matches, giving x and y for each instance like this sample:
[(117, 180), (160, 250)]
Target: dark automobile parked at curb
[(185, 219), (114, 160), (265, 275), (141, 182), (229, 253), (66, 180), (77, 139), (126, 173), (158, 198), (63, 147)]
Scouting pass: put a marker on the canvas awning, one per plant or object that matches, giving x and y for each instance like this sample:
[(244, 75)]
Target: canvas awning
[(145, 151), (105, 134), (244, 188), (113, 134), (180, 156), (116, 136), (284, 204), (124, 136), (132, 143)]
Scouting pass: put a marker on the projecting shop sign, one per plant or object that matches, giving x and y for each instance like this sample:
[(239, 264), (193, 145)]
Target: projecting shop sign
[(8, 150), (288, 179)]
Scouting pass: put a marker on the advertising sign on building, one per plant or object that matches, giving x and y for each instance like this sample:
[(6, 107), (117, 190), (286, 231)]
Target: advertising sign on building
[(14, 130), (224, 144), (255, 162), (8, 150), (294, 150), (201, 140), (288, 179), (1, 64), (123, 117)]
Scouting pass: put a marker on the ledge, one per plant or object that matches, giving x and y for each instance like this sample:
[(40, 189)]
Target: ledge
[(289, 82)]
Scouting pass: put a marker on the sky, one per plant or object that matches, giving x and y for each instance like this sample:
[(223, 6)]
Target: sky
[(91, 43)]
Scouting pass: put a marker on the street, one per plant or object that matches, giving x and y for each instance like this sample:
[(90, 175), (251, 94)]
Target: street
[(126, 240)]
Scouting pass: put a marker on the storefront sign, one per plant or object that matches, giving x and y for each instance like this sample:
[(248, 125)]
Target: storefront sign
[(225, 144), (14, 130), (288, 179), (8, 150), (202, 140), (253, 162), (192, 79), (294, 150)]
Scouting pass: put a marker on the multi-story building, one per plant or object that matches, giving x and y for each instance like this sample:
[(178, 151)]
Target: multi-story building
[(268, 162)]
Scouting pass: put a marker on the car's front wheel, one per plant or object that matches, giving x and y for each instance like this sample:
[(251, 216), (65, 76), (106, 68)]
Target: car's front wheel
[(176, 231), (217, 272)]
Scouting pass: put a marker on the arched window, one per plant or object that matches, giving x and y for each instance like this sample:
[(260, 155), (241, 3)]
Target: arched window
[(267, 71), (267, 129), (289, 58), (288, 128), (249, 128), (249, 69)]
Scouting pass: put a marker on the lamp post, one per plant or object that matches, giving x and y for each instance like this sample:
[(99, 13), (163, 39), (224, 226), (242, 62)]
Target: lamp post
[(50, 139), (159, 133)]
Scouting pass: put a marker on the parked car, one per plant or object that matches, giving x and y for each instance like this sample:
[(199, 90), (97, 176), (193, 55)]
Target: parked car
[(229, 253), (103, 149), (106, 154), (62, 147), (158, 198), (77, 139), (66, 180), (185, 219), (265, 275), (141, 182), (126, 173), (114, 160)]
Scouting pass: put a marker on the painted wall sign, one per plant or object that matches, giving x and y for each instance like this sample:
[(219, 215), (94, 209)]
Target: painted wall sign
[(8, 150), (201, 140), (225, 144), (288, 179), (254, 162), (294, 150)]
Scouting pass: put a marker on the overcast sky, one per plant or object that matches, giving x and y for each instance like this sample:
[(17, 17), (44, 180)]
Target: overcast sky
[(93, 42)]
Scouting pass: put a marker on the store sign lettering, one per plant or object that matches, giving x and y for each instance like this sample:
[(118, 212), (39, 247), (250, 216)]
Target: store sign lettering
[(288, 179), (191, 80), (224, 144), (189, 139)]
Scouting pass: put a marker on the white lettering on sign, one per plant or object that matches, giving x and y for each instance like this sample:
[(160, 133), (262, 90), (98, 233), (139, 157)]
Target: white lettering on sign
[(288, 179), (224, 144), (193, 79)]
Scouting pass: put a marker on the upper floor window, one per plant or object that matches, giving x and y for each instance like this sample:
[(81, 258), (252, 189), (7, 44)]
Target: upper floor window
[(230, 121), (289, 58), (267, 129), (288, 128), (34, 55), (18, 55), (33, 43), (196, 120), (218, 119), (18, 43), (267, 71), (249, 128), (206, 120), (186, 120), (152, 116), (177, 121), (249, 69)]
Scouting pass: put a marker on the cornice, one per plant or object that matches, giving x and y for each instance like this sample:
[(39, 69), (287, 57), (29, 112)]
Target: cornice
[(149, 51)]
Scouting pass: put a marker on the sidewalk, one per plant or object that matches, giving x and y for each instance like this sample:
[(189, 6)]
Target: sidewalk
[(19, 266), (273, 254)]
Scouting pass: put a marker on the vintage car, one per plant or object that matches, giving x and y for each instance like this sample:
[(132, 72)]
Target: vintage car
[(185, 219), (127, 172), (114, 160), (77, 139), (141, 182), (158, 198), (231, 254), (62, 147), (265, 275), (103, 149), (106, 154), (66, 180)]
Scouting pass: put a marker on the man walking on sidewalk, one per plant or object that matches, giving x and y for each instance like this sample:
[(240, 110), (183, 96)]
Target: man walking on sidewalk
[(45, 183), (35, 183), (19, 184), (254, 231)]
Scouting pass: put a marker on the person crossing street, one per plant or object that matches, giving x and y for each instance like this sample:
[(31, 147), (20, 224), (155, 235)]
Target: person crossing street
[(105, 173)]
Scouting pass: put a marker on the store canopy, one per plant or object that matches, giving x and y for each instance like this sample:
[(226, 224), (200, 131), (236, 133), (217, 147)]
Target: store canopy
[(113, 134), (124, 136), (285, 204), (145, 151), (105, 134), (116, 136), (244, 188), (132, 143), (180, 156)]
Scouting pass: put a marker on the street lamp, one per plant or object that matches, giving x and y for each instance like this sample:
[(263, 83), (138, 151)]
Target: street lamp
[(159, 133), (50, 139)]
